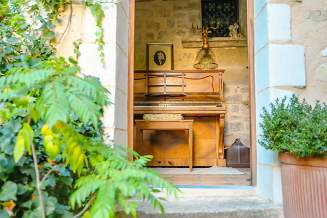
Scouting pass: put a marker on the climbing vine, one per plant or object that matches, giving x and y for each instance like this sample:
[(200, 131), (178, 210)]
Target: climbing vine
[(99, 15)]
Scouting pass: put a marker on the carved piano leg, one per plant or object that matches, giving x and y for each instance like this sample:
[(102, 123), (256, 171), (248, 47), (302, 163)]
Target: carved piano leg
[(190, 144), (138, 137), (220, 122), (221, 159), (217, 140)]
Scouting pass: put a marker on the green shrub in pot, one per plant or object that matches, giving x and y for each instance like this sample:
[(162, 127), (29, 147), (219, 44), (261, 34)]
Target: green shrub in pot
[(296, 127)]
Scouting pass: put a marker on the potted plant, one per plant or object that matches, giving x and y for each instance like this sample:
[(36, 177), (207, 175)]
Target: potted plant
[(298, 132)]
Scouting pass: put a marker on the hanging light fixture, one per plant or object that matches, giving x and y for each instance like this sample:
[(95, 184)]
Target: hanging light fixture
[(205, 59)]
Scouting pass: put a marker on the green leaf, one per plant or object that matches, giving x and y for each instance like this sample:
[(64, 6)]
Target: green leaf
[(50, 205), (19, 146), (28, 134), (34, 115), (8, 191), (85, 108), (54, 103)]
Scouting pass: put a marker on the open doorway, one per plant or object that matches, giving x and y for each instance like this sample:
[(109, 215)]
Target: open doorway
[(170, 83)]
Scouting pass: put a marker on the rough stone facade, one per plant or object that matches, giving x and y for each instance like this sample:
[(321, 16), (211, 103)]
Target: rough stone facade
[(171, 21), (309, 28), (290, 43)]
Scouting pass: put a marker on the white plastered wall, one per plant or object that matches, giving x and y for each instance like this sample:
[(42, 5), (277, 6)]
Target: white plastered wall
[(114, 74)]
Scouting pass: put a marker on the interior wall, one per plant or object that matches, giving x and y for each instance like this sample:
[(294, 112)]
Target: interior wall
[(171, 22)]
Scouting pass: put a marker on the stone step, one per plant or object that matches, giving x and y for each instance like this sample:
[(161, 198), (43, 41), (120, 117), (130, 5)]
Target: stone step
[(215, 204)]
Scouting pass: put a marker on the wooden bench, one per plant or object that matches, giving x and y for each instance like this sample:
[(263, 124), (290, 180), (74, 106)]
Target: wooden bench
[(141, 125)]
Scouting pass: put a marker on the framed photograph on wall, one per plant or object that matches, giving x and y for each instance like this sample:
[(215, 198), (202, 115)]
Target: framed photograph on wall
[(160, 56)]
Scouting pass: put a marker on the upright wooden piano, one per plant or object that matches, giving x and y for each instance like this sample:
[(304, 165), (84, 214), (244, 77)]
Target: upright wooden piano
[(196, 95)]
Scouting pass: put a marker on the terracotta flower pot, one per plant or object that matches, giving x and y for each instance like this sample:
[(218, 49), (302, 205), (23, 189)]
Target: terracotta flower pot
[(304, 182)]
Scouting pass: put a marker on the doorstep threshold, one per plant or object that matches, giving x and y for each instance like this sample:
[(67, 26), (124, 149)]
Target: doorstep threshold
[(229, 187), (199, 192), (222, 202)]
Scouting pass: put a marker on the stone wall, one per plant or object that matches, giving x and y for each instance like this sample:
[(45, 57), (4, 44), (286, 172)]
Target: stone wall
[(171, 21), (309, 28), (290, 40)]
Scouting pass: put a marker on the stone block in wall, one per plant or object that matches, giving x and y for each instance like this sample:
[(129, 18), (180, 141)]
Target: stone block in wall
[(120, 120), (162, 35), (261, 30), (321, 73), (164, 12), (245, 90), (280, 65), (317, 15), (235, 108), (235, 126), (153, 25), (258, 5), (261, 69), (120, 138), (171, 22), (108, 121), (287, 65), (279, 22), (150, 36), (122, 29), (125, 5), (236, 98), (273, 23), (122, 71)]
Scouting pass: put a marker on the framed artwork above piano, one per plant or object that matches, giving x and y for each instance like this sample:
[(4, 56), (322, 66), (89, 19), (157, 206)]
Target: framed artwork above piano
[(196, 95)]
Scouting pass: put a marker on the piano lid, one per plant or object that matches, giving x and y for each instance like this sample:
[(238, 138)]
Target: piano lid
[(178, 103), (205, 97)]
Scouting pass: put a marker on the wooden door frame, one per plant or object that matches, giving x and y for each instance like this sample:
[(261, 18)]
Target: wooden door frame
[(250, 34)]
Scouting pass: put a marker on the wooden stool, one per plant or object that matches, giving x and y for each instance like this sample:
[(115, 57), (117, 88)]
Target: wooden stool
[(141, 125)]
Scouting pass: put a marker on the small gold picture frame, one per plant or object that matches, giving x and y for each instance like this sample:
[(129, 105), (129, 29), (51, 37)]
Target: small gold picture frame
[(160, 56)]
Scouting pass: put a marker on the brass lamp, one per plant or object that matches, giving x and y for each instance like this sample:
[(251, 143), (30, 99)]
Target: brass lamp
[(205, 59)]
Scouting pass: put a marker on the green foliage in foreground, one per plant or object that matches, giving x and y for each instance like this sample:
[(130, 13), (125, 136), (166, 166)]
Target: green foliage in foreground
[(296, 127), (53, 160), (17, 180), (48, 102)]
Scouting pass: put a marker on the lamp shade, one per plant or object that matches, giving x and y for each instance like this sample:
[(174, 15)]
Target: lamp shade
[(205, 59)]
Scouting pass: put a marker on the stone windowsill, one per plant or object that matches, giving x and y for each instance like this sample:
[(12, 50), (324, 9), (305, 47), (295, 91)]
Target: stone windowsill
[(217, 42)]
